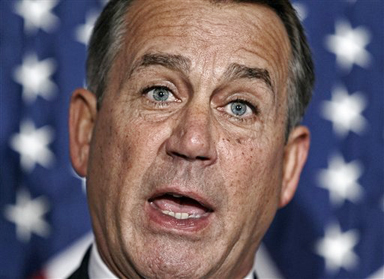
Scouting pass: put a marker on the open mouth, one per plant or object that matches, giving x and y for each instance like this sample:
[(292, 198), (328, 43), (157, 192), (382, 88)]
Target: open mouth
[(179, 206)]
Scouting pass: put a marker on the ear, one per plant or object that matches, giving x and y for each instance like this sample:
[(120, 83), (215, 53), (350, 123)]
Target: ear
[(295, 156), (82, 117)]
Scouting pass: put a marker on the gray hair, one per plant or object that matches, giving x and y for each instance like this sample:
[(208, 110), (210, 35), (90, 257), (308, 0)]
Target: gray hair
[(108, 38)]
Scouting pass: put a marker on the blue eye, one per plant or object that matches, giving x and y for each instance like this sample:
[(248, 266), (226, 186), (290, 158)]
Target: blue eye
[(239, 108), (160, 94)]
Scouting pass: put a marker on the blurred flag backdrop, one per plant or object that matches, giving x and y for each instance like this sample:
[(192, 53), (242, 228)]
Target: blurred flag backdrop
[(334, 227)]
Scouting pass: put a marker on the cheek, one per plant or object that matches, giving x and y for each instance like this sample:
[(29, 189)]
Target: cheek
[(253, 172), (123, 148), (129, 140)]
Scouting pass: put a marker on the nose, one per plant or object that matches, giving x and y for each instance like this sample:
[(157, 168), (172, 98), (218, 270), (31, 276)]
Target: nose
[(192, 138)]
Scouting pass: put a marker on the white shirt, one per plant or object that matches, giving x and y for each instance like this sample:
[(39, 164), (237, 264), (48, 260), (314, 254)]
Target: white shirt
[(97, 268)]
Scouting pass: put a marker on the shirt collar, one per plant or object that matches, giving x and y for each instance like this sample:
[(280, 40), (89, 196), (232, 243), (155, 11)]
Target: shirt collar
[(98, 269)]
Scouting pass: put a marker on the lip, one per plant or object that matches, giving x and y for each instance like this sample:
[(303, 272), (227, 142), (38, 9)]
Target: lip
[(189, 194), (162, 222)]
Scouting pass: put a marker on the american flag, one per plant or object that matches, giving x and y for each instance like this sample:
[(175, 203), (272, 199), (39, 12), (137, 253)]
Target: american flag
[(333, 228)]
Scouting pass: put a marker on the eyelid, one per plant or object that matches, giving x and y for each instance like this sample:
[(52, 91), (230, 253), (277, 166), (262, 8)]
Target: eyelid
[(148, 88)]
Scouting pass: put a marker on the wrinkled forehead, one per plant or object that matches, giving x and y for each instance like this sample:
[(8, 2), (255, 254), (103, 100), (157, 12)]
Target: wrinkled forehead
[(227, 32)]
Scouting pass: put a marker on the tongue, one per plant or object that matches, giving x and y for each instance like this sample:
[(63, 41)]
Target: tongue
[(182, 205)]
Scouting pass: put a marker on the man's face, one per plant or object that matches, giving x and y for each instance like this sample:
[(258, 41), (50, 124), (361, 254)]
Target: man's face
[(187, 159)]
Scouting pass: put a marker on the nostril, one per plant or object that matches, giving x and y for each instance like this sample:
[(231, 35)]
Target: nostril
[(185, 157), (191, 143), (202, 158), (177, 154)]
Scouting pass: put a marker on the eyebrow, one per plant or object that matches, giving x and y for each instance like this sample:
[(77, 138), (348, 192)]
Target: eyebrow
[(183, 64), (170, 61), (238, 71)]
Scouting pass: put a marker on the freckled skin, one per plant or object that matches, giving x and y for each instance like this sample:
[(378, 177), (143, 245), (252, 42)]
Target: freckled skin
[(137, 146)]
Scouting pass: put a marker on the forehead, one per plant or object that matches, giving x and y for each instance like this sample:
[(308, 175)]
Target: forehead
[(224, 33)]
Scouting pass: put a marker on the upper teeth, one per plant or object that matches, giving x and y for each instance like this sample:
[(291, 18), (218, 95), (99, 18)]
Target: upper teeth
[(180, 215), (176, 196)]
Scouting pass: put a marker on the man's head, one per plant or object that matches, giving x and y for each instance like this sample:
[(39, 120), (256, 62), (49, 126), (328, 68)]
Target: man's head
[(189, 152)]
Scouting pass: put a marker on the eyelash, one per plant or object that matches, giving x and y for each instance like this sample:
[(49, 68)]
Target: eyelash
[(160, 104), (252, 107)]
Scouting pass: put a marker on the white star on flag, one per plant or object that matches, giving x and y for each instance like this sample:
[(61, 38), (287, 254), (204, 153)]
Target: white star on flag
[(344, 111), (28, 216), (37, 14), (337, 248), (349, 45), (32, 145), (379, 274), (84, 31), (34, 77), (340, 179)]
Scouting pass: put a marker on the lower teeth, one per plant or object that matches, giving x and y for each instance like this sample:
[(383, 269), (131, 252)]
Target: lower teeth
[(180, 216)]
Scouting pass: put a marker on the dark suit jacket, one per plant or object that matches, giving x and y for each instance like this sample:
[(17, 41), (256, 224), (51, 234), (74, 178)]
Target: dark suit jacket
[(82, 271)]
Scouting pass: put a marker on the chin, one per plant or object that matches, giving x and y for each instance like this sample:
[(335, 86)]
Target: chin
[(167, 258)]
